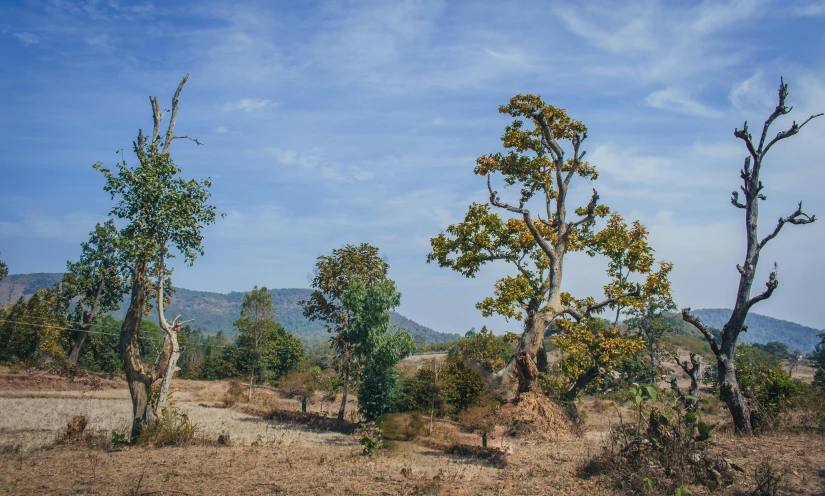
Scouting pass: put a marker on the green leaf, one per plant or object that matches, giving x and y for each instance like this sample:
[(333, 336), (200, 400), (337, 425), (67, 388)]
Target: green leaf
[(651, 392)]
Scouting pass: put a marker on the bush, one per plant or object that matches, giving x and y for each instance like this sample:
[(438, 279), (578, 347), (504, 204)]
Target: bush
[(420, 393), (370, 437), (770, 393), (234, 393), (479, 419), (462, 387), (663, 449), (173, 428), (403, 426)]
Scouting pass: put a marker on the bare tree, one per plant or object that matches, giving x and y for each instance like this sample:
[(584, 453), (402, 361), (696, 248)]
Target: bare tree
[(752, 187), (694, 371)]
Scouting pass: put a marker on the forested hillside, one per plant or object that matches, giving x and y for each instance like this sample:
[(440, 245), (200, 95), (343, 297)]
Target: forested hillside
[(763, 329), (214, 311)]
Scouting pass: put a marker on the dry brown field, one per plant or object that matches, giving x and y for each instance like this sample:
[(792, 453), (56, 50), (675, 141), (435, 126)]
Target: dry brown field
[(268, 456)]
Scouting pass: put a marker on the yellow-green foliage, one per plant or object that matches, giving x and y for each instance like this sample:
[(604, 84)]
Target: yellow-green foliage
[(589, 348)]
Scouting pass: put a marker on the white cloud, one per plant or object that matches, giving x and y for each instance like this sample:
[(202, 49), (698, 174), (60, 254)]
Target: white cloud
[(816, 9), (753, 95), (516, 57), (220, 130), (27, 38), (101, 41), (305, 160), (250, 104), (677, 100), (71, 225)]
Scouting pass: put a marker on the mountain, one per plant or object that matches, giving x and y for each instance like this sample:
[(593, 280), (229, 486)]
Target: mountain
[(762, 329), (214, 311)]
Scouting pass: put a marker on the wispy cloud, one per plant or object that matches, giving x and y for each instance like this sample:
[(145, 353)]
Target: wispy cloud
[(220, 130), (27, 38), (678, 100), (250, 104), (815, 9)]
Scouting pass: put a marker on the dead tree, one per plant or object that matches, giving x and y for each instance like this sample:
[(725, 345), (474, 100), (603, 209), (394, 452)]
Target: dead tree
[(729, 390), (694, 371)]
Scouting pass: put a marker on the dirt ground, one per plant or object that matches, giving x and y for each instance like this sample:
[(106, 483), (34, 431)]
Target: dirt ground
[(284, 457)]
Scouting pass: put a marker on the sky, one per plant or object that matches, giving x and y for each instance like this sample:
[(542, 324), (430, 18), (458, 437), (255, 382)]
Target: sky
[(332, 123)]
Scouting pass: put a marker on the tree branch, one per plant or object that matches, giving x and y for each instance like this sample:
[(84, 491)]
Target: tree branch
[(780, 109), (745, 136), (496, 201), (790, 132), (591, 211), (554, 146), (612, 299), (187, 137), (734, 199), (546, 247), (796, 218), (771, 285), (711, 339), (174, 117)]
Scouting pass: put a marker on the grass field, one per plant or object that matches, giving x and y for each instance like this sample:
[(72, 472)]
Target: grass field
[(285, 457)]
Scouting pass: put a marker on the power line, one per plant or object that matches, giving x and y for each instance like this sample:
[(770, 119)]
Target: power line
[(91, 331)]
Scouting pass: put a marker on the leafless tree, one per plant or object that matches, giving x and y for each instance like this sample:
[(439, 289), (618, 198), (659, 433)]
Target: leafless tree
[(729, 390), (694, 371)]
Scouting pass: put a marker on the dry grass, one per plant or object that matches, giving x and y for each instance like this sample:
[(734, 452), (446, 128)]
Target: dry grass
[(269, 456)]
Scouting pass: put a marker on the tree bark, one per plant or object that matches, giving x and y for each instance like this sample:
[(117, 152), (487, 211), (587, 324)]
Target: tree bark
[(580, 384), (138, 375), (170, 372), (694, 371), (343, 407), (80, 337)]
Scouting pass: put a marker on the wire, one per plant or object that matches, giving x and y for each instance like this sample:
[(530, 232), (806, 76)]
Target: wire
[(91, 331)]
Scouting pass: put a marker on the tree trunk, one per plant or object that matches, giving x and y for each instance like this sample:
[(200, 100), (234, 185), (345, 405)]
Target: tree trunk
[(527, 373), (170, 371), (694, 371), (138, 375), (541, 360), (142, 413), (581, 382), (730, 393), (79, 339), (343, 408)]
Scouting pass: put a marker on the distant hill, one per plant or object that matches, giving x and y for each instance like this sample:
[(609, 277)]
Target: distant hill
[(762, 329), (214, 311)]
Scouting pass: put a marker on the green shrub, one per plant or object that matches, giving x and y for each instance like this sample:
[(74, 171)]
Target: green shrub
[(370, 437), (462, 387), (173, 428), (770, 393)]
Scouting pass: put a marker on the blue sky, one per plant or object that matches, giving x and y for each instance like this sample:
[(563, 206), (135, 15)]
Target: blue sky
[(325, 123)]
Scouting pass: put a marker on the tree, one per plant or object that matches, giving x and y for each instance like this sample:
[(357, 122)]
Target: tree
[(487, 349), (263, 349), (96, 280), (694, 371), (818, 359), (729, 390), (373, 347), (591, 348), (163, 212), (536, 164), (32, 331), (4, 270), (650, 323), (333, 273)]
